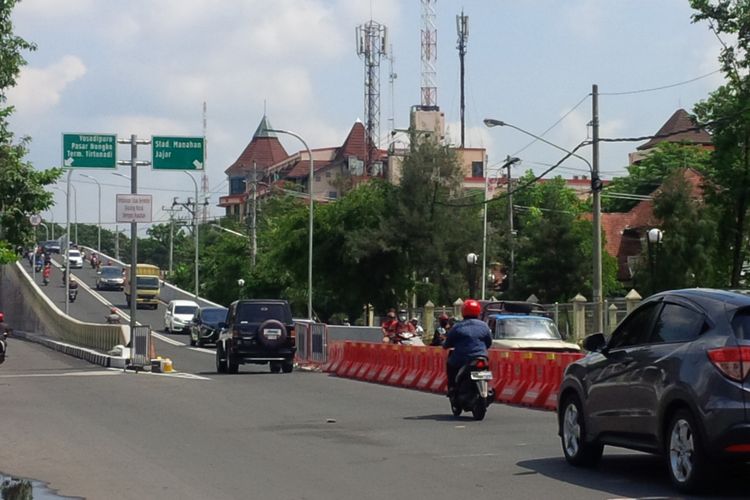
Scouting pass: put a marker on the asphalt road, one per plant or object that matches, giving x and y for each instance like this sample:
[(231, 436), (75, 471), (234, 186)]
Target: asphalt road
[(100, 433)]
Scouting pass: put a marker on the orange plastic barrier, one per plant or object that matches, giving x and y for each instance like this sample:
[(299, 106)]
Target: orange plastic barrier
[(520, 377)]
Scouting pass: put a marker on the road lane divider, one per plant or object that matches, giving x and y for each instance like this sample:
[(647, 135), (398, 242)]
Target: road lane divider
[(527, 378)]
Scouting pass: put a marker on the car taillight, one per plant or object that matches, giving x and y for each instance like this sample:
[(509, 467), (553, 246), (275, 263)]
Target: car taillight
[(292, 333), (481, 364), (733, 362), (235, 333)]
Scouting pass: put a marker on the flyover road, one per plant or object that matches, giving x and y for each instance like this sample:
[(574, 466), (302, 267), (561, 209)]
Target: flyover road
[(102, 433)]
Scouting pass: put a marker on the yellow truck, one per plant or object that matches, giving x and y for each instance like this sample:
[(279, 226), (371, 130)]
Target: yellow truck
[(147, 283)]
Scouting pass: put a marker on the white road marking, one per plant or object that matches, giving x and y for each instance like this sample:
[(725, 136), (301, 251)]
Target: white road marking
[(471, 455), (68, 374), (203, 350), (166, 339)]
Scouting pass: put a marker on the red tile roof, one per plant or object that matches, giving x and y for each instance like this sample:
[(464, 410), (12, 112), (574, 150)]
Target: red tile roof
[(264, 149), (680, 120), (301, 169)]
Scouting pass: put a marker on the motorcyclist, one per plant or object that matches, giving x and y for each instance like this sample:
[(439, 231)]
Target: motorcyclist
[(401, 326), (418, 330), (469, 339), (113, 318), (440, 331), (46, 273), (389, 325)]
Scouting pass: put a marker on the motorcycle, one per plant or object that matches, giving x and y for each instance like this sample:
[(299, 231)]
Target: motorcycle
[(94, 262), (472, 392), (72, 291), (407, 338)]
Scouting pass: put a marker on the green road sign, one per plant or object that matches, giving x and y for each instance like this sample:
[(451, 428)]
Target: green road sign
[(89, 151), (177, 153)]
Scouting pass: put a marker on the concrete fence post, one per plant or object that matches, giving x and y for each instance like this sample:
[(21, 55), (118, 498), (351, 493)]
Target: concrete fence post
[(612, 318), (429, 317), (632, 299), (457, 308), (579, 317)]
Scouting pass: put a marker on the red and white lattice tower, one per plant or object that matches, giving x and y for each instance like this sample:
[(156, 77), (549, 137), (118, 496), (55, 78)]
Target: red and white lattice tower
[(371, 46), (429, 55)]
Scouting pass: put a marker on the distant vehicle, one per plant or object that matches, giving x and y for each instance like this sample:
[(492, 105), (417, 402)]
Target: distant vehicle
[(76, 259), (147, 285), (527, 332), (204, 328), (257, 331), (110, 278), (490, 307), (673, 379), (51, 246), (179, 316)]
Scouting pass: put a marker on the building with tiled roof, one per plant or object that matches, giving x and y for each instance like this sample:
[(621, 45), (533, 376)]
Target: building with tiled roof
[(263, 150), (680, 128)]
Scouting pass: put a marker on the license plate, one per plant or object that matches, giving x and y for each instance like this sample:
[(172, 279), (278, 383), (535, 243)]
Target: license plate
[(485, 375), (273, 333)]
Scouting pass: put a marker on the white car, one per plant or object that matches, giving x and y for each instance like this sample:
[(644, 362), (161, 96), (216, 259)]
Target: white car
[(179, 315), (76, 259)]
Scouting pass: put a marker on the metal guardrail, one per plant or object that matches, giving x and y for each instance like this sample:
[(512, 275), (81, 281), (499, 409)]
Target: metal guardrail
[(312, 342)]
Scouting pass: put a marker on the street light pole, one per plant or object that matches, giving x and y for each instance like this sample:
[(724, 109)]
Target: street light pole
[(99, 227), (310, 243), (596, 186), (195, 230)]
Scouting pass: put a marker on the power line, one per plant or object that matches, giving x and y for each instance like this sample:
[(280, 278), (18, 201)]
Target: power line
[(583, 99), (663, 87)]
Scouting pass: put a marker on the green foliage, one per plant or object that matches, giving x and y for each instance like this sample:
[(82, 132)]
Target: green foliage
[(21, 187), (646, 176), (728, 111)]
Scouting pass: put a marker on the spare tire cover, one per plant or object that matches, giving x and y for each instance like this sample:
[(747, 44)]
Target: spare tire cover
[(272, 333)]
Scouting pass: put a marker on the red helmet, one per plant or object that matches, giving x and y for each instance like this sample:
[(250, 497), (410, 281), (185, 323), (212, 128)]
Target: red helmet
[(471, 309)]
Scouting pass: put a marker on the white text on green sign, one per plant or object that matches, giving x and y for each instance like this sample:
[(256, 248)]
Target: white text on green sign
[(89, 150), (177, 153)]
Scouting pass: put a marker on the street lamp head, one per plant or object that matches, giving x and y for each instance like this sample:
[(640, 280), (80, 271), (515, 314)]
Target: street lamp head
[(490, 122), (472, 258), (241, 282), (655, 235)]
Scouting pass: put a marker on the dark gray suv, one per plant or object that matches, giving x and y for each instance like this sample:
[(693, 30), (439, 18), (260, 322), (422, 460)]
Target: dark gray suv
[(671, 380)]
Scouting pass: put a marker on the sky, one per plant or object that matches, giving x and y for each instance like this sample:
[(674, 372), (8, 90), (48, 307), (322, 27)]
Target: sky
[(146, 67)]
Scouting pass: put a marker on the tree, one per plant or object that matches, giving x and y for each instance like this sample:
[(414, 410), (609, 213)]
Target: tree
[(687, 255), (21, 187), (646, 176), (727, 112)]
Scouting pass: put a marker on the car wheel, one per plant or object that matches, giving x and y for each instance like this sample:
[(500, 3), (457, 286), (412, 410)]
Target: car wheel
[(686, 459), (577, 451), (221, 361), (233, 365), (201, 343), (275, 366), (287, 366)]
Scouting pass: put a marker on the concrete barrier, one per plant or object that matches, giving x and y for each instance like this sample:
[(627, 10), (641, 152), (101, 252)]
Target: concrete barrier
[(27, 308)]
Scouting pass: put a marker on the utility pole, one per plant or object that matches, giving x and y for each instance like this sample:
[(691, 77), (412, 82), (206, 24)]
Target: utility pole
[(462, 25), (511, 242), (254, 219), (596, 187), (171, 211)]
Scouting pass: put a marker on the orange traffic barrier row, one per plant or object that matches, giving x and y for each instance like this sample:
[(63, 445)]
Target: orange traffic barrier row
[(520, 377)]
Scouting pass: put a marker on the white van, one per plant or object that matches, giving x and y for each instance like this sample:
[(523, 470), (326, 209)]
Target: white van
[(179, 315)]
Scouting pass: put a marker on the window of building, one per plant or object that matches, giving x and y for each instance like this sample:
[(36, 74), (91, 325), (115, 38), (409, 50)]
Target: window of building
[(477, 169), (236, 185), (328, 174), (333, 195), (317, 178)]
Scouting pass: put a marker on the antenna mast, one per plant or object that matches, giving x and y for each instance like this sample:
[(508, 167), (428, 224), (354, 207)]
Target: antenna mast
[(429, 55), (462, 25), (371, 45)]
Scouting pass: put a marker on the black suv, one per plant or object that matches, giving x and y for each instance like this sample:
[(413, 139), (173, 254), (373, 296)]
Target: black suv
[(256, 331), (672, 380)]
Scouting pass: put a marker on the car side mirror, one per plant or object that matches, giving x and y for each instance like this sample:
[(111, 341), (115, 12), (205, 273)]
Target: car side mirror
[(595, 342)]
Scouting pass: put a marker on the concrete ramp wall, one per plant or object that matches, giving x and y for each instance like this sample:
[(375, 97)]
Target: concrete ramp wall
[(27, 308)]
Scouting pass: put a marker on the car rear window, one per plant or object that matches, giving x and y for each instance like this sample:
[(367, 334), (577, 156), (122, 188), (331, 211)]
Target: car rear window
[(185, 309), (525, 327), (258, 313), (111, 272)]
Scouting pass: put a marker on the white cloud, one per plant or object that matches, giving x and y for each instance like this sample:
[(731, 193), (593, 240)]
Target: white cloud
[(39, 89)]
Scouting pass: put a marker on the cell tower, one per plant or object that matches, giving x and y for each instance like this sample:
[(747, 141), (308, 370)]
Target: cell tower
[(371, 46), (462, 26), (429, 55)]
